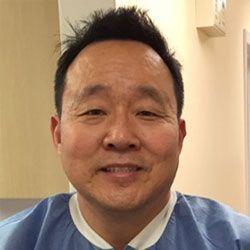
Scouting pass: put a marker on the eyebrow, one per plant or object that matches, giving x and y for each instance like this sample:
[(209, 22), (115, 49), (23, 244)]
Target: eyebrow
[(92, 90), (144, 91), (152, 93)]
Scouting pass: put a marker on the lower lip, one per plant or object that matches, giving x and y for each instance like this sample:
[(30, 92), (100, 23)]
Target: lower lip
[(122, 177)]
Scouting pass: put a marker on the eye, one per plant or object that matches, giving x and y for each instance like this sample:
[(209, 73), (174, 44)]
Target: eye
[(147, 114), (94, 112)]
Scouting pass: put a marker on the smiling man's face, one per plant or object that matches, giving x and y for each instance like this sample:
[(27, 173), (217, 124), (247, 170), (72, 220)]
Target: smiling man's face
[(119, 137)]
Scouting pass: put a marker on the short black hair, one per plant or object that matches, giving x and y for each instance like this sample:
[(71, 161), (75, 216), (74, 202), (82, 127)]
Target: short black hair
[(123, 23)]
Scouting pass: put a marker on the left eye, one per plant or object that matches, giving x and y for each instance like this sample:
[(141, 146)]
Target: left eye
[(146, 113)]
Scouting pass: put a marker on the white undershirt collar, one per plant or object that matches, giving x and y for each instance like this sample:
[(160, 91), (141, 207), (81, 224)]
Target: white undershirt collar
[(146, 238)]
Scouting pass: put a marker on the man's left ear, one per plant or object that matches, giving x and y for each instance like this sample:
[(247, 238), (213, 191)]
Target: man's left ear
[(56, 132), (182, 132)]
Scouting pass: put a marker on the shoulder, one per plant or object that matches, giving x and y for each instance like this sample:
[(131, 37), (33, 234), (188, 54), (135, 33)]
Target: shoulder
[(26, 226), (40, 210), (213, 218), (207, 206)]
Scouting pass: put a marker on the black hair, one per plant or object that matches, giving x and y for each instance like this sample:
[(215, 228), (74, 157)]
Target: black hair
[(122, 24)]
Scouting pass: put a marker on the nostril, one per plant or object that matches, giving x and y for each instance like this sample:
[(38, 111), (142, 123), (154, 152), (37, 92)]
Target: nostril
[(110, 145), (119, 146)]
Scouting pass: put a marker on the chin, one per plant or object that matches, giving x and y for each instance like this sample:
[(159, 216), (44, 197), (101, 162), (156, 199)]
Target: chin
[(115, 201), (122, 206)]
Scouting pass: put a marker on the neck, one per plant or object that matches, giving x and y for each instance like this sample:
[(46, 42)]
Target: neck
[(118, 228)]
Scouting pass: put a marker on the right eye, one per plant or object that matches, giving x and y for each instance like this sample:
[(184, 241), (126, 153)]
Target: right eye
[(94, 112)]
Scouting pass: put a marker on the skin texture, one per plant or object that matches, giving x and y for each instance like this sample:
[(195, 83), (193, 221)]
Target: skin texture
[(119, 137)]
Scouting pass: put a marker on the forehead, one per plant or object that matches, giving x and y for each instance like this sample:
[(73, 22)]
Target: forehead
[(115, 50), (118, 64)]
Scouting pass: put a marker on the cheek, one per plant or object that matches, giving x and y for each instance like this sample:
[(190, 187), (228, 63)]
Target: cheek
[(162, 142), (77, 143), (78, 149), (163, 147)]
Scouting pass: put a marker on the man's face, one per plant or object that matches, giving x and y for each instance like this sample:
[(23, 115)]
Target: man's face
[(119, 137)]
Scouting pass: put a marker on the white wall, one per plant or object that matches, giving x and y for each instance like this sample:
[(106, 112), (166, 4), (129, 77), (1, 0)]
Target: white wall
[(79, 10), (213, 159)]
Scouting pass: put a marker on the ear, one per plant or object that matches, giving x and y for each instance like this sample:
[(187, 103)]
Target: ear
[(56, 132), (182, 132)]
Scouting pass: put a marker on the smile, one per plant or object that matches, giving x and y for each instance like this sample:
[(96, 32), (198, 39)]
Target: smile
[(121, 169), (121, 173)]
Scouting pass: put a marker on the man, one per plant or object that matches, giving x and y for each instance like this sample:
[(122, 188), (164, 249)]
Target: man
[(119, 133)]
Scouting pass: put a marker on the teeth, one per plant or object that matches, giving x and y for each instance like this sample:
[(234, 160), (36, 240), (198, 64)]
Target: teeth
[(121, 170)]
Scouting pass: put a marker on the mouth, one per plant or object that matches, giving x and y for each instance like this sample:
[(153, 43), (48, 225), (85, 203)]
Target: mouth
[(121, 168), (123, 174)]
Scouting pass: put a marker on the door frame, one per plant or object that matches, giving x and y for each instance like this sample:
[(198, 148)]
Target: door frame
[(246, 58)]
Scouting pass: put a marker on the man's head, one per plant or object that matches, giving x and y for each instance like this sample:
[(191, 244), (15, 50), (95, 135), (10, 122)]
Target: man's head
[(122, 24), (118, 131)]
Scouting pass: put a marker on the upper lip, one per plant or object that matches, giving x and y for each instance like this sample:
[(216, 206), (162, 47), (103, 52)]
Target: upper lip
[(121, 165)]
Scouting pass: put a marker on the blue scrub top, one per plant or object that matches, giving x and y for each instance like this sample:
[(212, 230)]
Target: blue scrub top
[(195, 224)]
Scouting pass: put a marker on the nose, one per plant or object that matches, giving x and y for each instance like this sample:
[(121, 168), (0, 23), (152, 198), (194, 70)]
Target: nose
[(121, 136)]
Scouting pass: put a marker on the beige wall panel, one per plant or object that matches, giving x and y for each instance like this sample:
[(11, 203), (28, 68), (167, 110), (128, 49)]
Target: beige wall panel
[(28, 164)]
